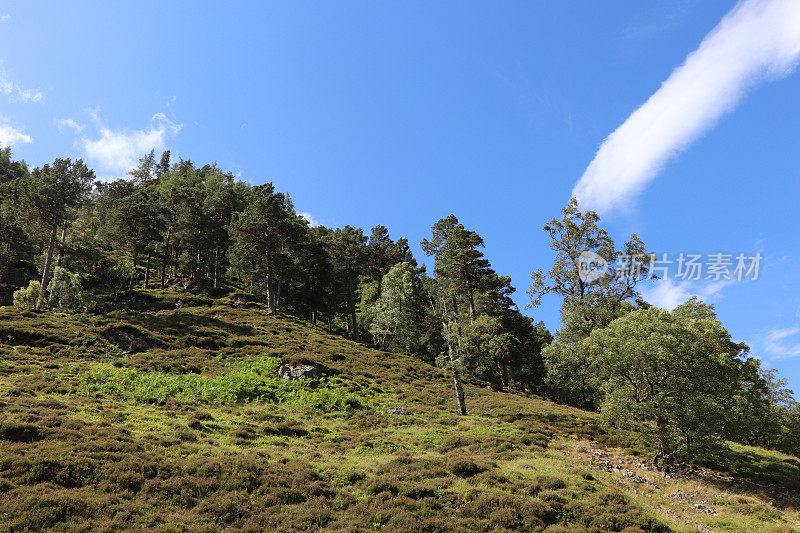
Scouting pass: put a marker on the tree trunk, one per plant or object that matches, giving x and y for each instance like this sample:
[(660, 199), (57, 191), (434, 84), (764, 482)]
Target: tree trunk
[(471, 300), (460, 401), (166, 255), (216, 267), (58, 258), (278, 292), (352, 301), (662, 455), (134, 275), (462, 404), (47, 261), (199, 270), (270, 296), (61, 247), (270, 290), (147, 272), (504, 374)]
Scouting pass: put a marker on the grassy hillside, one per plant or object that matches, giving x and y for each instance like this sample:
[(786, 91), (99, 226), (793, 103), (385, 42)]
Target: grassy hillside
[(164, 412)]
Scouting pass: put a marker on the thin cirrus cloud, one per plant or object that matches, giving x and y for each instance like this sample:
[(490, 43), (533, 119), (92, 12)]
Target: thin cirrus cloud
[(68, 123), (115, 153), (30, 95), (9, 88), (757, 40), (778, 343)]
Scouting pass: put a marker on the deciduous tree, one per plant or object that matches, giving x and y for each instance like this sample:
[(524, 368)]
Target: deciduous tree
[(677, 372)]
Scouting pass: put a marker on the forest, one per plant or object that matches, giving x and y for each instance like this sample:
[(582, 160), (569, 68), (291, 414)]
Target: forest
[(67, 238)]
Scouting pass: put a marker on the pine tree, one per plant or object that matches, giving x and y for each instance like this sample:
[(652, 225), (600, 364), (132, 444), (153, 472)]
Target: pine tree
[(267, 233), (49, 195), (349, 254)]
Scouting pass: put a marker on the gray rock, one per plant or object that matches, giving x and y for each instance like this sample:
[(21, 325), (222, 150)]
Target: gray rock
[(398, 411), (288, 372)]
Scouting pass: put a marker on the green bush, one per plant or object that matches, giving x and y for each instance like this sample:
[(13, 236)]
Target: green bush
[(117, 275), (27, 298), (66, 293)]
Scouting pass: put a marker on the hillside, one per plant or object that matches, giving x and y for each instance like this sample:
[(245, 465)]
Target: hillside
[(164, 413)]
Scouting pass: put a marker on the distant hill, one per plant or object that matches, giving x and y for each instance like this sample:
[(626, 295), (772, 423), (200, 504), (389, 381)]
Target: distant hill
[(165, 412)]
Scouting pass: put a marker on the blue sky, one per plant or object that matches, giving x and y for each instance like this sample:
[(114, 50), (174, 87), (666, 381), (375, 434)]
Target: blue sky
[(401, 113)]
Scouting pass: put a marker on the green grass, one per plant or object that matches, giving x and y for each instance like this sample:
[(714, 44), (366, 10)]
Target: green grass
[(164, 412)]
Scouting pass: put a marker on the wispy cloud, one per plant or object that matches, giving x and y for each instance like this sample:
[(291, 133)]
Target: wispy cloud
[(668, 294), (68, 123), (5, 18), (660, 17), (9, 88), (757, 40), (117, 152), (782, 343), (30, 95), (6, 87), (10, 136)]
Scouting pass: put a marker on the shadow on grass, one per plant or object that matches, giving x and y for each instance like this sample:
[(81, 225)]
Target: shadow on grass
[(182, 324), (771, 475)]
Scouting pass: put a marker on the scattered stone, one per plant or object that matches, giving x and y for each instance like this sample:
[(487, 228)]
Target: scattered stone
[(599, 459), (398, 411), (683, 496), (289, 372)]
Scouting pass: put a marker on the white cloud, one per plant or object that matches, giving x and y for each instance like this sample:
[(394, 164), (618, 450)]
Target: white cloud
[(10, 136), (311, 220), (5, 18), (69, 123), (669, 295), (117, 152), (777, 343), (94, 114), (757, 40), (9, 88), (30, 95)]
